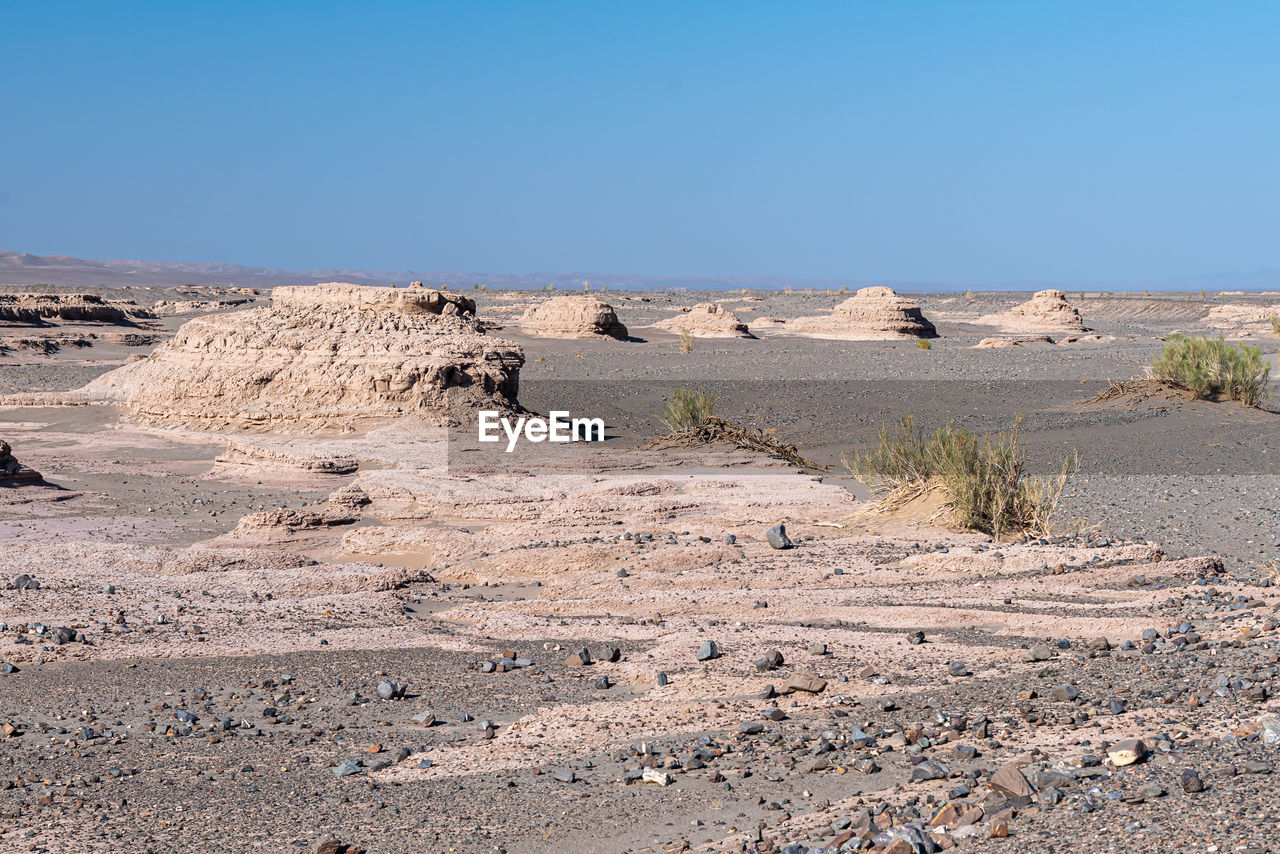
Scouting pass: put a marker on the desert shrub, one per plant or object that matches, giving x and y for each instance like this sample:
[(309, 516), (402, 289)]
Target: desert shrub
[(984, 478), (924, 344), (686, 341), (687, 409), (968, 294), (1210, 367), (1275, 323)]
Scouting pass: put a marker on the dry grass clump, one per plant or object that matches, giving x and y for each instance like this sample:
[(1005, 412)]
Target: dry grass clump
[(686, 342), (984, 478), (1275, 323), (924, 344), (687, 409), (1210, 367)]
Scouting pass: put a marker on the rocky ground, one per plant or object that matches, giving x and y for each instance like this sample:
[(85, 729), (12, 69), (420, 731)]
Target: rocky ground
[(600, 649)]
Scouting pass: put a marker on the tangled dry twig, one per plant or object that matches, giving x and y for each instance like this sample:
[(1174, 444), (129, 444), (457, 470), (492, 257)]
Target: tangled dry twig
[(715, 430)]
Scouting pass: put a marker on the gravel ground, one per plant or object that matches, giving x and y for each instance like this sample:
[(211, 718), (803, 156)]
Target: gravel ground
[(247, 753)]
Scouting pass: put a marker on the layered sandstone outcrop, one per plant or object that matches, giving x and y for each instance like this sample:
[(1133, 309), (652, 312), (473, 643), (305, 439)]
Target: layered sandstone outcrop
[(252, 458), (707, 320), (871, 314), (1046, 311), (1244, 321), (39, 309), (573, 317), (326, 356), (173, 308)]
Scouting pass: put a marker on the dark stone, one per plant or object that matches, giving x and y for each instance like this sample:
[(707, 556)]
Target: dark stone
[(777, 537)]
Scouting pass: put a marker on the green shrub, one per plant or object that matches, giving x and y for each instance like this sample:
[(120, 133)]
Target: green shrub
[(1210, 367), (687, 409), (984, 477), (924, 344)]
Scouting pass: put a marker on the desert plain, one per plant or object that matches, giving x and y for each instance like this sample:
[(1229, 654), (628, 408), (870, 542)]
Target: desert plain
[(261, 590)]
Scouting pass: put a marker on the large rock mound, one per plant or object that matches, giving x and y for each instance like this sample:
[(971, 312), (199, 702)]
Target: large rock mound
[(871, 314), (573, 317), (39, 309), (330, 355), (707, 320), (1047, 311)]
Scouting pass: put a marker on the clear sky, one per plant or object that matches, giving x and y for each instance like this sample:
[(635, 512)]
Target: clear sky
[(947, 140)]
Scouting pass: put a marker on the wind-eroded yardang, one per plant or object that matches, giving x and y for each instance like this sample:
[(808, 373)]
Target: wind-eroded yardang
[(329, 356)]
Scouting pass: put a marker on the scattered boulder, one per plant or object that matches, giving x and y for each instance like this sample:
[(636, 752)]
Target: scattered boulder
[(1010, 782), (1128, 752), (581, 658), (871, 314), (573, 317), (777, 537), (803, 680)]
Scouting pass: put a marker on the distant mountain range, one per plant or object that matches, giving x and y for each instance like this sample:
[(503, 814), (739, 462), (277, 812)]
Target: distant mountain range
[(17, 268)]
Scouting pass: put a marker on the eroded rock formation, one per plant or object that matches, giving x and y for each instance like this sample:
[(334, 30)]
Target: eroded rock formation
[(707, 320), (573, 317), (870, 314), (327, 356), (1047, 311), (39, 309)]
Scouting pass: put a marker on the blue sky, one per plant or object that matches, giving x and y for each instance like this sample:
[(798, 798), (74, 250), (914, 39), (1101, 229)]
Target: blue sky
[(945, 141)]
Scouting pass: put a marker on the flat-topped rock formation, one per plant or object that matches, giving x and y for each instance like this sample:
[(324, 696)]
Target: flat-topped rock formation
[(872, 313), (707, 320), (1031, 340), (326, 356), (573, 317), (39, 309), (1046, 311)]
